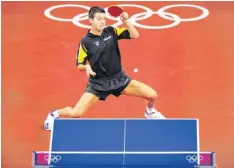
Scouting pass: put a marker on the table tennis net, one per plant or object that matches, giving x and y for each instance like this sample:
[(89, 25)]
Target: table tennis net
[(100, 159)]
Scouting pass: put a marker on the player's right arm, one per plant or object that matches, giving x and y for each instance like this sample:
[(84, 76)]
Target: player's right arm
[(81, 56), (81, 60)]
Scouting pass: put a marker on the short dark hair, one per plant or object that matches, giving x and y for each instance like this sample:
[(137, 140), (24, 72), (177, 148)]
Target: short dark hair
[(95, 9)]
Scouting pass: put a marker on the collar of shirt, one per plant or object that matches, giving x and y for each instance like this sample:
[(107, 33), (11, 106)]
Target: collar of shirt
[(95, 35)]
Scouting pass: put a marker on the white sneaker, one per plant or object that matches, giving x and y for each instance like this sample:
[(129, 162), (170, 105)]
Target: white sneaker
[(49, 122), (154, 115)]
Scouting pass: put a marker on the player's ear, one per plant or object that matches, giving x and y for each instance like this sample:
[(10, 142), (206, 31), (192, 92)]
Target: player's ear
[(90, 20)]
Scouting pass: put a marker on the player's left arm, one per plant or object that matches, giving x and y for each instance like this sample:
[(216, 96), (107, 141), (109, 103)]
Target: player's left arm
[(132, 30)]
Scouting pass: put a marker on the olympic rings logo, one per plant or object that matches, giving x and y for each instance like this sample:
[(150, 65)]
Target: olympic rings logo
[(76, 20), (53, 158), (193, 158)]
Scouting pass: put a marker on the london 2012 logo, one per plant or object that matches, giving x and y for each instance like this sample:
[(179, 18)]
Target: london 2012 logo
[(162, 12)]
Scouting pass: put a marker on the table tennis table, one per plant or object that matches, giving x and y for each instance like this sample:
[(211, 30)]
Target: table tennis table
[(163, 143)]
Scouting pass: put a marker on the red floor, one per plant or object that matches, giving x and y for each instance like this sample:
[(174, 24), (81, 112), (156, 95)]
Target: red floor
[(190, 65)]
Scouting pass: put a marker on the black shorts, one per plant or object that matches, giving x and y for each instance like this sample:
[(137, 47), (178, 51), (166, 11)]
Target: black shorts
[(103, 87)]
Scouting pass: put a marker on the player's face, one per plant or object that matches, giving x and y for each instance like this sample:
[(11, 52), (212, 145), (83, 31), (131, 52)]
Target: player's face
[(99, 21)]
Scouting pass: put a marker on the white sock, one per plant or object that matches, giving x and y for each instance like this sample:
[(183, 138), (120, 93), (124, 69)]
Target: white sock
[(56, 113), (150, 110)]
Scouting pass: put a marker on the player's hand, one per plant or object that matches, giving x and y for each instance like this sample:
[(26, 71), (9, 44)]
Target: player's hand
[(124, 16), (89, 71)]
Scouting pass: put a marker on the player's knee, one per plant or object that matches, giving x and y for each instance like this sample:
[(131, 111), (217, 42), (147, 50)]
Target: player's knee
[(68, 109), (153, 95), (77, 113)]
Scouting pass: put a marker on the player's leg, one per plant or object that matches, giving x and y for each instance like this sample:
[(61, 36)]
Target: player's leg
[(141, 90), (83, 105), (86, 101)]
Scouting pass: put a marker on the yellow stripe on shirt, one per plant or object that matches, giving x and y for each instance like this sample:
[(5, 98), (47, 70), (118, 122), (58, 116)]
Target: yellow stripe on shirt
[(82, 54), (119, 30)]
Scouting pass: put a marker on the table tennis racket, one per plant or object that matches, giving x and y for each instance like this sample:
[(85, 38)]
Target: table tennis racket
[(115, 11)]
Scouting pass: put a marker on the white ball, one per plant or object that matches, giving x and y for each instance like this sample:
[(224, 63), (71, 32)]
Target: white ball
[(135, 69)]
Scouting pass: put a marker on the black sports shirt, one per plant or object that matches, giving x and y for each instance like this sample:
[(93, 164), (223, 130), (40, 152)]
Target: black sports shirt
[(102, 52)]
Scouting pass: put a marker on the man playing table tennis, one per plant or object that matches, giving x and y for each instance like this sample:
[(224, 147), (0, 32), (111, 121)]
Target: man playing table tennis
[(100, 57)]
